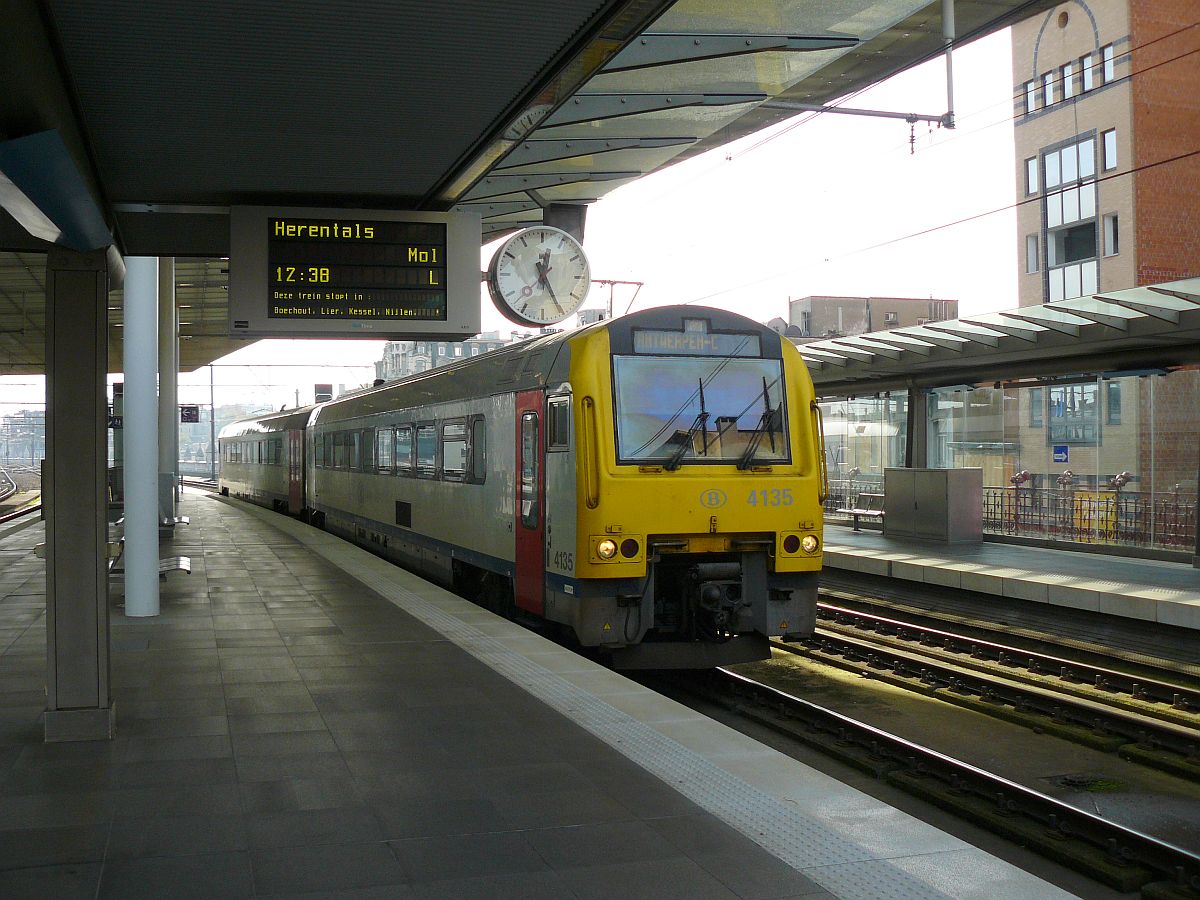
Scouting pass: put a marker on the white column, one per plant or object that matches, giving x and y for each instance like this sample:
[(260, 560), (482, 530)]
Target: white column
[(168, 390), (141, 436)]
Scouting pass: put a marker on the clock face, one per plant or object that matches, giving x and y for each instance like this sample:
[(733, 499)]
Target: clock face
[(539, 276)]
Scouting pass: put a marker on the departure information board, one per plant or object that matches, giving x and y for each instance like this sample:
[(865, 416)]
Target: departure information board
[(328, 272)]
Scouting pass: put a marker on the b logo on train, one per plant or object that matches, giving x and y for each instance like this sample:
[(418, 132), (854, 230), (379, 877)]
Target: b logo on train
[(651, 484)]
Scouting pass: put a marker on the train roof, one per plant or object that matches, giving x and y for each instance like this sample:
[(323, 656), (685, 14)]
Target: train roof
[(268, 423), (533, 364)]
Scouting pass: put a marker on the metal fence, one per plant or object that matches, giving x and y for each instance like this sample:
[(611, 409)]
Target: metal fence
[(1141, 519)]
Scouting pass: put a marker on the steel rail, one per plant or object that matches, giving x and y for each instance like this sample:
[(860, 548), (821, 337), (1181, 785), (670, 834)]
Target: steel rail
[(1149, 733), (1146, 689), (1120, 844)]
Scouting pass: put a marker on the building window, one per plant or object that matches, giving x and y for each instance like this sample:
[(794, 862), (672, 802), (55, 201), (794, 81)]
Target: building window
[(1071, 227), (1073, 414), (1112, 240), (1113, 411), (1068, 81), (1110, 149), (1031, 253), (1031, 176), (1030, 96), (1087, 69), (1037, 406), (1109, 57), (1048, 88), (891, 318)]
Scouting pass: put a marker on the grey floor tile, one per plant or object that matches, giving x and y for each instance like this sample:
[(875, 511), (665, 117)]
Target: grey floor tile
[(310, 827), (403, 818), (590, 845), (177, 772), (207, 875), (274, 723), (293, 794), (288, 743), (666, 879), (467, 856), (525, 886), (69, 882), (302, 765), (757, 876), (152, 749), (328, 868), (163, 801), (52, 846), (559, 808), (175, 836)]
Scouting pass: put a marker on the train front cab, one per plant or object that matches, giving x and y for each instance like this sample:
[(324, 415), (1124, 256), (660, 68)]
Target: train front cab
[(698, 478)]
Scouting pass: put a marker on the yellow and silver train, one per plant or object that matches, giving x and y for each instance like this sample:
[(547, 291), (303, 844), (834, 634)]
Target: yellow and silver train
[(653, 483)]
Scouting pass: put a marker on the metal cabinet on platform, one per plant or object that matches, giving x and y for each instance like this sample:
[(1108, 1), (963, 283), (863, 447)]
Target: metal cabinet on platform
[(934, 504)]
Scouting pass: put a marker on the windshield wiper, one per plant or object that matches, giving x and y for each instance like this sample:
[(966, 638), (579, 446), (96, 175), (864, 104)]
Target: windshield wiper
[(700, 424), (767, 424)]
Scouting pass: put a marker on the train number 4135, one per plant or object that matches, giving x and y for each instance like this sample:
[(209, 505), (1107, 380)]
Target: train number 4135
[(770, 497)]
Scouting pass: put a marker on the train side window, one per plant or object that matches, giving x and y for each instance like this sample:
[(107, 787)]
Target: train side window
[(529, 470), (354, 439), (478, 449), (368, 449), (278, 454), (427, 451), (558, 423), (339, 450), (383, 449), (454, 451), (404, 450)]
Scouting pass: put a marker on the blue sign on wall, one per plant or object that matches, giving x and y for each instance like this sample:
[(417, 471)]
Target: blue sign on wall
[(1061, 452)]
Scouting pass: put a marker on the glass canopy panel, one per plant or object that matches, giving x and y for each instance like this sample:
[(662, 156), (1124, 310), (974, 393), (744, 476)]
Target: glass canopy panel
[(583, 190), (791, 17), (630, 160), (685, 121), (771, 72)]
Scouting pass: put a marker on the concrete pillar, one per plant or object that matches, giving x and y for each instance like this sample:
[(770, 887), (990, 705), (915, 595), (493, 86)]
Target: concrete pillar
[(78, 702), (141, 436), (916, 441), (168, 392)]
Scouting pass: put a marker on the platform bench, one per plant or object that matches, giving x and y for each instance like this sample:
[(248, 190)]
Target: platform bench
[(866, 506)]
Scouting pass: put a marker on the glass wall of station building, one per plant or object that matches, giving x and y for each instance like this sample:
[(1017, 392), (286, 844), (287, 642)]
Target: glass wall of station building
[(1086, 459)]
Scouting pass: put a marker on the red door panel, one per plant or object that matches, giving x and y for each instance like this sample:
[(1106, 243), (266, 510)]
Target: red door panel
[(531, 514)]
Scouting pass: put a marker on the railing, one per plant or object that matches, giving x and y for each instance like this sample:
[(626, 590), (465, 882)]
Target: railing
[(1160, 521), (1126, 518)]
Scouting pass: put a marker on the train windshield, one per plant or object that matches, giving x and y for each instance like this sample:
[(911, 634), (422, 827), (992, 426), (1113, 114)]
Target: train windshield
[(677, 409)]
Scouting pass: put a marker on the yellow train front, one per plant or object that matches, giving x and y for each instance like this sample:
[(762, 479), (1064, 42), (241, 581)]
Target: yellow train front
[(685, 527)]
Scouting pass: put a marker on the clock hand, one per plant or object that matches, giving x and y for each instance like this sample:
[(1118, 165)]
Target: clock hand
[(543, 271)]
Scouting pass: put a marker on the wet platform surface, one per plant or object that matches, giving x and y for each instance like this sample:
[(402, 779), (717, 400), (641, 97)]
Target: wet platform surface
[(285, 728), (1167, 593)]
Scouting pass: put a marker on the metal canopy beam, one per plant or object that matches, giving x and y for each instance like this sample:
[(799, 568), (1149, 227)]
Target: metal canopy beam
[(499, 185), (592, 107), (664, 49), (548, 151)]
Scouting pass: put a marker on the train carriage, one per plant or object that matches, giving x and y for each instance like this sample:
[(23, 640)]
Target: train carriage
[(652, 484), (262, 460)]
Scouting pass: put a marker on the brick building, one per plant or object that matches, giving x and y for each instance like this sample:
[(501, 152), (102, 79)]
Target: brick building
[(1107, 133), (1107, 129)]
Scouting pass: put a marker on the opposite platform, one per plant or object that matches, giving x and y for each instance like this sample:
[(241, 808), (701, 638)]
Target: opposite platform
[(287, 728), (1150, 590)]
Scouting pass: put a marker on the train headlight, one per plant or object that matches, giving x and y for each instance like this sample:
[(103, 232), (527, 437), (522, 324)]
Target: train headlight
[(606, 549), (791, 544), (810, 543)]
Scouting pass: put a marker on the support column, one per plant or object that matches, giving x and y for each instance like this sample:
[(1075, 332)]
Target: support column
[(916, 440), (141, 437), (79, 706), (168, 392)]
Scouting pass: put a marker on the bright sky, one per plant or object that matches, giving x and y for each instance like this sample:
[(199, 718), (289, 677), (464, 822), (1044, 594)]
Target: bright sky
[(823, 204)]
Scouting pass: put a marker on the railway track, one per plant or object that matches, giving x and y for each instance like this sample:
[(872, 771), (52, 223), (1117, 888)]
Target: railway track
[(1153, 723), (1121, 857)]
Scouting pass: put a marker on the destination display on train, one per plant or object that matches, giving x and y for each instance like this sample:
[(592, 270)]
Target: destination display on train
[(372, 273), (356, 269)]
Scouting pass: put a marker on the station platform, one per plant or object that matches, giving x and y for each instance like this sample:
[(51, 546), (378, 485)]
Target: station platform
[(1167, 593), (304, 718)]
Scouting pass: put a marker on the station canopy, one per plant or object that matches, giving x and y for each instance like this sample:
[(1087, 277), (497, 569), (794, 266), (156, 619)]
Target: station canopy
[(1132, 331), (148, 120)]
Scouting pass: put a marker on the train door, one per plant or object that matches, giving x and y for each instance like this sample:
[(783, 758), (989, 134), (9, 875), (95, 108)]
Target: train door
[(295, 463), (530, 506)]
